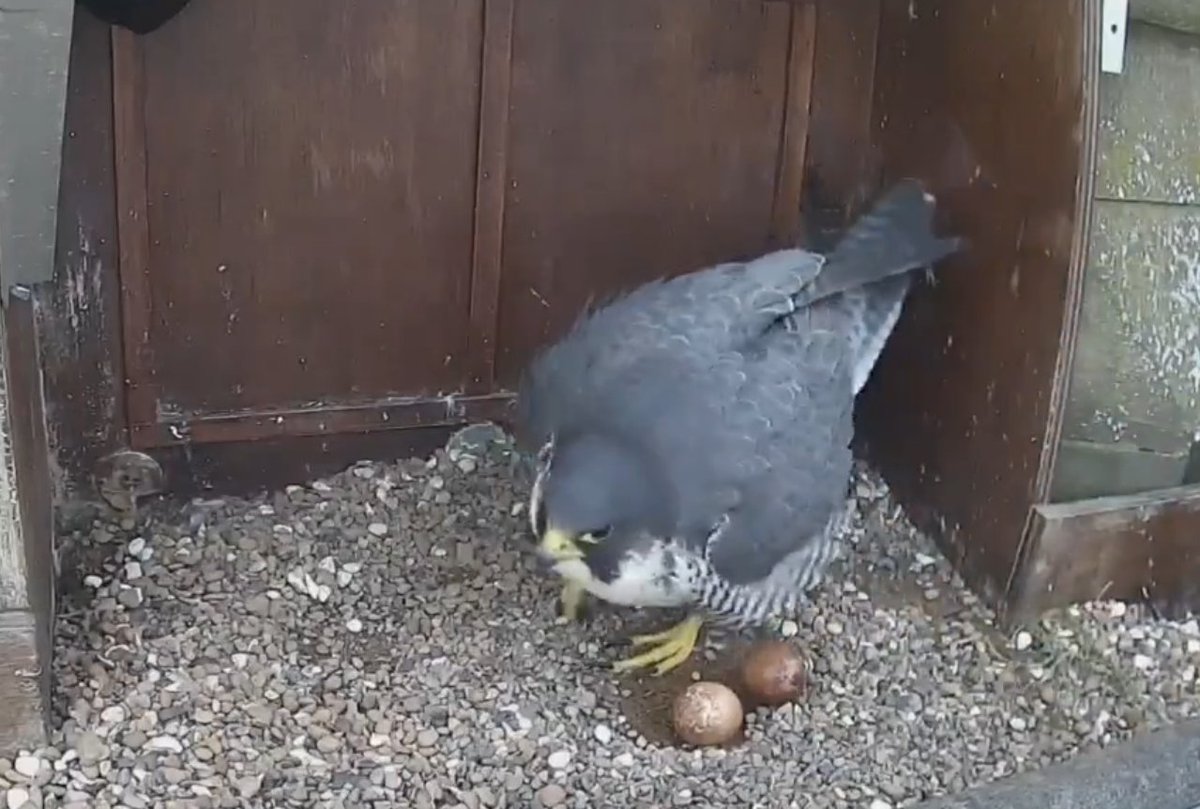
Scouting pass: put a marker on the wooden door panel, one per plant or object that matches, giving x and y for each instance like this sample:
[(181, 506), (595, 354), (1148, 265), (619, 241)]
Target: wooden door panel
[(310, 182), (646, 137), (343, 217)]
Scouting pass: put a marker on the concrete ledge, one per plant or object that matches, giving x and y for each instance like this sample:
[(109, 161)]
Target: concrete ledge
[(1157, 770), (1182, 15), (22, 681)]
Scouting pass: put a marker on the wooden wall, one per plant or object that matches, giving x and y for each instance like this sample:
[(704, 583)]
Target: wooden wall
[(316, 253), (994, 105)]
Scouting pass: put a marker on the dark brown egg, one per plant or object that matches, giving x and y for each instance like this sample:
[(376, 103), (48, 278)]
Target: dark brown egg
[(774, 672)]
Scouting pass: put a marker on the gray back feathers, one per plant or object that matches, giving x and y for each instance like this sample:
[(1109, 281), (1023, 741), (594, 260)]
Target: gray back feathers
[(739, 381)]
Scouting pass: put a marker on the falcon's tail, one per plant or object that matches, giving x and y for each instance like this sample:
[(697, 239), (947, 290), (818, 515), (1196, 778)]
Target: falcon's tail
[(894, 237)]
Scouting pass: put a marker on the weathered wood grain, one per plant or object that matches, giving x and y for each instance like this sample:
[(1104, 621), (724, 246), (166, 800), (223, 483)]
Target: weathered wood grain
[(1134, 547)]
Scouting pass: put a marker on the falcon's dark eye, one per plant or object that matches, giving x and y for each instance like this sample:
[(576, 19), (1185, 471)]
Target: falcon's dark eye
[(602, 533)]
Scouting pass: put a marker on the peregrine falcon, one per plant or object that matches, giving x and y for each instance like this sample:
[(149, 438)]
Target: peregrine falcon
[(693, 437)]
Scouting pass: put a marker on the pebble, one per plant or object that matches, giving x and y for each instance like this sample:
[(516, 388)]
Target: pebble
[(552, 795), (89, 746), (17, 798), (164, 744), (279, 655), (112, 715), (28, 766), (248, 786)]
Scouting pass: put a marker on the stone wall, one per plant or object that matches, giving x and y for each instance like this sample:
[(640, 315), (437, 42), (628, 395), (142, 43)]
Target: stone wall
[(1133, 416)]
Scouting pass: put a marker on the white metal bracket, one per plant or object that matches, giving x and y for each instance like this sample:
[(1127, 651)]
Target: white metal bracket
[(1115, 19)]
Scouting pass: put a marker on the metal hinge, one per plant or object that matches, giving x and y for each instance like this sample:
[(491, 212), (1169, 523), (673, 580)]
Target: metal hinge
[(1115, 20)]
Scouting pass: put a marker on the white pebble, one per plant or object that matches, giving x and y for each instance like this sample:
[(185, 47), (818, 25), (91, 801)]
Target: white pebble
[(296, 579), (1017, 723), (344, 577), (467, 465), (558, 759), (240, 659), (378, 739), (1024, 641), (880, 803), (789, 629), (624, 760), (517, 508), (377, 529), (1193, 646), (321, 486), (164, 744), (834, 628), (603, 734), (354, 625), (95, 582), (1142, 662), (136, 546), (133, 571), (17, 798), (1117, 609), (28, 766), (328, 565), (113, 714)]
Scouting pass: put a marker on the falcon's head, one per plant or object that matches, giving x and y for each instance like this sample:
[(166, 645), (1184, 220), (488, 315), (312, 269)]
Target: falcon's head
[(592, 490)]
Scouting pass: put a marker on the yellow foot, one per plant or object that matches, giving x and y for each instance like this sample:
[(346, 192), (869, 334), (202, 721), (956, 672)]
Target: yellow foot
[(671, 647), (572, 602)]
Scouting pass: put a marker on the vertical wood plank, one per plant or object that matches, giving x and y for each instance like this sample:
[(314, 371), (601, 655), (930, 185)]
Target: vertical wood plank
[(487, 254), (786, 214), (133, 229), (840, 152)]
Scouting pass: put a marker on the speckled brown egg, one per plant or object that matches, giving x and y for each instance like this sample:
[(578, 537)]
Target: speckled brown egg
[(774, 672), (707, 713)]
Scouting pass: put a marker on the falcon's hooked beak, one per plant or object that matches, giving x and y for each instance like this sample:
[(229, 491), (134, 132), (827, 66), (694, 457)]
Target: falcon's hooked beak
[(559, 546)]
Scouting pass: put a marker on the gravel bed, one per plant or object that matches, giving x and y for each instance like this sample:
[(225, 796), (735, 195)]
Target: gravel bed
[(383, 638)]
